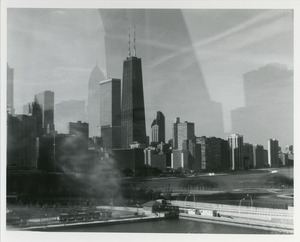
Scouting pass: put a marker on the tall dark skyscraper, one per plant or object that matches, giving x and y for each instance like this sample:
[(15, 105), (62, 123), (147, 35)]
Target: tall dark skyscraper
[(158, 128), (46, 102), (133, 110)]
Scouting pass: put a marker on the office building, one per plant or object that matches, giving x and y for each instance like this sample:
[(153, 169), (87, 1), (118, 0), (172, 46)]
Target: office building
[(22, 142), (258, 156), (129, 158), (181, 132), (64, 153), (79, 129), (248, 156), (181, 159), (175, 133), (273, 151), (133, 110), (158, 128), (214, 154), (46, 102), (236, 154), (93, 106), (110, 113)]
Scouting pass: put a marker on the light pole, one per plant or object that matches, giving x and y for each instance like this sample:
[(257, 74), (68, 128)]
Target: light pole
[(251, 201), (240, 206)]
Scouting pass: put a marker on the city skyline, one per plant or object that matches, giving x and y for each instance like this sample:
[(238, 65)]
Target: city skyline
[(148, 120), (252, 20)]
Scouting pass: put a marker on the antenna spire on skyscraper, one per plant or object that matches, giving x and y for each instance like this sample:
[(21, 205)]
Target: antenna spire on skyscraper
[(129, 54), (134, 49)]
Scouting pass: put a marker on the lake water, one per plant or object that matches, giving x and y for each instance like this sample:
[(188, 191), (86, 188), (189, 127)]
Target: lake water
[(171, 226)]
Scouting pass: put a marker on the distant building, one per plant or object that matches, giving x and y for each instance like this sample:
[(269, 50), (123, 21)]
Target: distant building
[(175, 133), (110, 113), (26, 108), (22, 142), (273, 151), (79, 129), (284, 158), (214, 154), (266, 158), (93, 106), (248, 156), (258, 156), (158, 128), (182, 131), (133, 110), (64, 153), (136, 145), (163, 148), (181, 159), (129, 158), (157, 159), (69, 111), (46, 102), (160, 161), (236, 153), (10, 90)]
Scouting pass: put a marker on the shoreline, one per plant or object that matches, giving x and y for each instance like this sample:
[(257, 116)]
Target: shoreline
[(61, 226), (273, 227)]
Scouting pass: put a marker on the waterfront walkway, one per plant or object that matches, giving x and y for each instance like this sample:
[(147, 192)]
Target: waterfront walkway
[(279, 220)]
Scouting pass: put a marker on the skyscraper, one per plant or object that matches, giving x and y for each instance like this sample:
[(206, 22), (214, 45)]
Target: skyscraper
[(258, 151), (110, 113), (10, 90), (158, 128), (175, 133), (94, 102), (133, 110), (273, 150), (248, 156), (46, 102), (186, 131), (236, 151)]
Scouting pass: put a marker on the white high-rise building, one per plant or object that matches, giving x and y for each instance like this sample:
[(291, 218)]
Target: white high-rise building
[(236, 151)]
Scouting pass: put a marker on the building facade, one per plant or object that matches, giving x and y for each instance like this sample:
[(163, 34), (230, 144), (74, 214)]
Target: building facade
[(22, 142), (258, 156), (248, 156), (46, 101), (158, 129), (236, 154), (94, 102), (214, 154), (110, 113), (133, 110), (181, 132), (273, 151), (175, 133)]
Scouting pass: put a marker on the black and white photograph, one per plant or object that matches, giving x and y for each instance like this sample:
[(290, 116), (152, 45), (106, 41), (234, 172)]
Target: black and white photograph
[(147, 121)]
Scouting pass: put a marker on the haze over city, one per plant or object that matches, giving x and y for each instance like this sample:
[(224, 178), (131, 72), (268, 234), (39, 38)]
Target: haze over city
[(193, 60), (180, 118)]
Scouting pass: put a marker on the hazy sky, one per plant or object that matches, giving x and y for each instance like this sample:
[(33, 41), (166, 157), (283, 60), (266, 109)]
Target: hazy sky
[(56, 49)]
